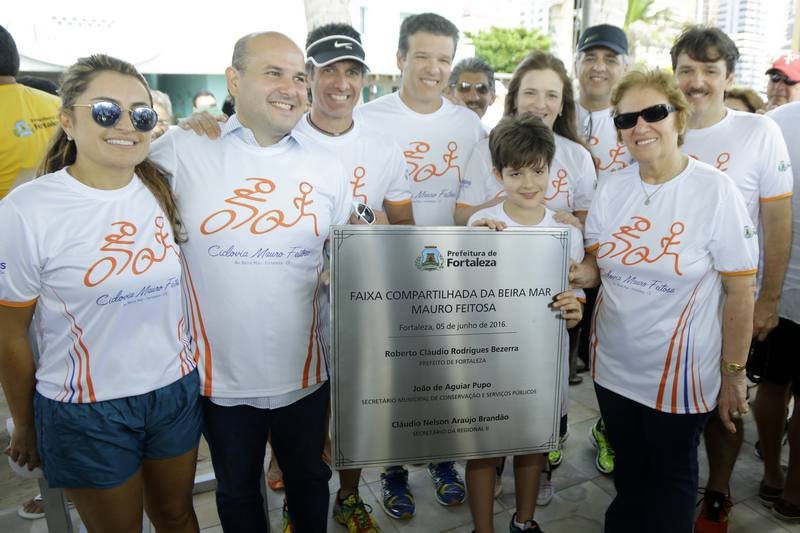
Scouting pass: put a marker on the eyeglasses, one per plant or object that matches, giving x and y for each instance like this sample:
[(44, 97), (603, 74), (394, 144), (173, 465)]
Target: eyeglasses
[(108, 114), (363, 212), (465, 87), (625, 121), (776, 77)]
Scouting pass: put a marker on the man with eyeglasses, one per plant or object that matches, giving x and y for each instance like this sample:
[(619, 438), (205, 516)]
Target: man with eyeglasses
[(601, 61), (750, 149), (783, 85), (471, 84)]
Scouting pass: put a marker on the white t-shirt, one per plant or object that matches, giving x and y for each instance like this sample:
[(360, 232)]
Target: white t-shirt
[(750, 149), (104, 272), (788, 118), (435, 146), (657, 326), (570, 185), (374, 164), (257, 220), (576, 253), (597, 127)]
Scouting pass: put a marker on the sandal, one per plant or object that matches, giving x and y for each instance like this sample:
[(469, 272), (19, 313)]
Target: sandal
[(32, 509)]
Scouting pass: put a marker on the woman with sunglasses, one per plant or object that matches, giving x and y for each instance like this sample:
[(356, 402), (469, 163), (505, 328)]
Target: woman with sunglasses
[(678, 255), (540, 86), (109, 403)]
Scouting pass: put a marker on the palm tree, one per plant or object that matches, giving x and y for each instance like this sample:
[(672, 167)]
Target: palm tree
[(640, 10)]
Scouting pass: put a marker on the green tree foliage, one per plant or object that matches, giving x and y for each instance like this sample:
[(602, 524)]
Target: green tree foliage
[(504, 48), (642, 11)]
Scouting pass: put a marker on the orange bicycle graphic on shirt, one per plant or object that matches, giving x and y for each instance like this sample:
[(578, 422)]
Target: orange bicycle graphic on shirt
[(249, 201), (625, 240), (416, 155), (615, 154), (121, 243), (560, 186), (358, 175), (721, 162)]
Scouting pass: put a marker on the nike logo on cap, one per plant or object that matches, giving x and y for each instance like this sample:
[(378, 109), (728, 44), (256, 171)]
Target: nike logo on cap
[(337, 44)]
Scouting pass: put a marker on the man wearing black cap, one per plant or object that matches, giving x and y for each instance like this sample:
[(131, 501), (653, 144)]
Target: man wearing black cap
[(602, 60)]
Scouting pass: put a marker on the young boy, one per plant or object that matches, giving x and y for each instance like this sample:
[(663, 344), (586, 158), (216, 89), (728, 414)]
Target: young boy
[(522, 150)]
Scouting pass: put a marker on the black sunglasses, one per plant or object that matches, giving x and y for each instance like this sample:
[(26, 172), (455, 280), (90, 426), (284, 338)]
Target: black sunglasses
[(625, 121), (465, 87), (107, 114), (777, 77)]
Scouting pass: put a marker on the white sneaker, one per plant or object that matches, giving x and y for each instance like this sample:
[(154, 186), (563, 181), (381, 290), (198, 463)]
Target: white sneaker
[(545, 495), (498, 485)]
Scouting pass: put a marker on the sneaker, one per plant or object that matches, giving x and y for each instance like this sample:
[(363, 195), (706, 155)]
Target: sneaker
[(768, 495), (605, 454), (545, 495), (788, 512), (449, 485), (398, 501), (530, 526), (287, 527), (555, 458), (714, 513), (354, 514)]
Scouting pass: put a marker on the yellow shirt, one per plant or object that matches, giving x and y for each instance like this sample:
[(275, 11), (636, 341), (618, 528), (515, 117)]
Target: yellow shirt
[(27, 122)]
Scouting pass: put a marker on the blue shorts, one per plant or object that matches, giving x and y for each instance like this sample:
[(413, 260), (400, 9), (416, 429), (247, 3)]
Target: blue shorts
[(102, 444)]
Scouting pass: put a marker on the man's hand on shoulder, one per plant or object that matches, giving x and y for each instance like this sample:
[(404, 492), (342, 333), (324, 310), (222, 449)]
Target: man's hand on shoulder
[(204, 123)]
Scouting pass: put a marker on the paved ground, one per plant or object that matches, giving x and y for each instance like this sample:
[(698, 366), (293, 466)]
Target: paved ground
[(581, 498)]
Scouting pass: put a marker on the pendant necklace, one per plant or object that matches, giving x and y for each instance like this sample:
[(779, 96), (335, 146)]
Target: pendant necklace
[(649, 196)]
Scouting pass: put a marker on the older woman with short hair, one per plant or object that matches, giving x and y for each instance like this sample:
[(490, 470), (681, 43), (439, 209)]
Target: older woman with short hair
[(678, 256)]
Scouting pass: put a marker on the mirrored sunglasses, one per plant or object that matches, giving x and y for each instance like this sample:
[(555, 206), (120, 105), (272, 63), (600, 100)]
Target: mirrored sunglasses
[(363, 212), (625, 121), (108, 114), (465, 87)]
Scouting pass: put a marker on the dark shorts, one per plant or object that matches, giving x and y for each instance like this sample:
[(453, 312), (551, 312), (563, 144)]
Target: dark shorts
[(102, 444), (779, 352)]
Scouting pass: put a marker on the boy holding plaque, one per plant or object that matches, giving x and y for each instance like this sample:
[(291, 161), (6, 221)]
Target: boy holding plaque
[(522, 149)]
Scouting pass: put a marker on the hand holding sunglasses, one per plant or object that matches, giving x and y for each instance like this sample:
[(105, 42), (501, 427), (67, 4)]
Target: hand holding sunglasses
[(363, 212), (625, 121), (108, 114)]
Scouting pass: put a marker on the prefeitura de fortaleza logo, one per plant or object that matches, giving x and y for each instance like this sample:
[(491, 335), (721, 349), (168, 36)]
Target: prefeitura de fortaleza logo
[(429, 259)]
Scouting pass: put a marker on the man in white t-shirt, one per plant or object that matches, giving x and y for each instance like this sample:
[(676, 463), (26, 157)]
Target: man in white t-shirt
[(257, 205), (782, 371), (751, 150), (437, 138), (601, 61)]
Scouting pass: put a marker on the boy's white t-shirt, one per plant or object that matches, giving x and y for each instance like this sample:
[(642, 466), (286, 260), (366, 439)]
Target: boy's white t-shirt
[(608, 153), (257, 219), (657, 325), (750, 149), (570, 185), (435, 146), (104, 272), (576, 253), (787, 117), (374, 164)]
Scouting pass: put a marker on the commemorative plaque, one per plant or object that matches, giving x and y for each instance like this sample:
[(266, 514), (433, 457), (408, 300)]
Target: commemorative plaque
[(444, 342)]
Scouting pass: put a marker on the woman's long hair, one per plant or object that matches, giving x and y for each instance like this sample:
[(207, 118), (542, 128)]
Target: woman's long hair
[(566, 122), (62, 151)]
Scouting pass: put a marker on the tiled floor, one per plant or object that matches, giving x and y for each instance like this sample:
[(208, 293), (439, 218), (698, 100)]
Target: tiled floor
[(580, 501)]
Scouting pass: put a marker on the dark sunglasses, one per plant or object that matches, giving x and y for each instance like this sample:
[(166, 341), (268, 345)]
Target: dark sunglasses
[(777, 77), (625, 121), (465, 87), (107, 114)]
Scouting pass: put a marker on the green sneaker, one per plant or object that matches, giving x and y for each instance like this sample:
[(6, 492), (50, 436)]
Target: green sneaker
[(555, 457), (354, 514), (605, 454)]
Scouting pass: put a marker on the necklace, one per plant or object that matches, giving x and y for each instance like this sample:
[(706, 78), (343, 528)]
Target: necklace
[(649, 196), (328, 133)]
